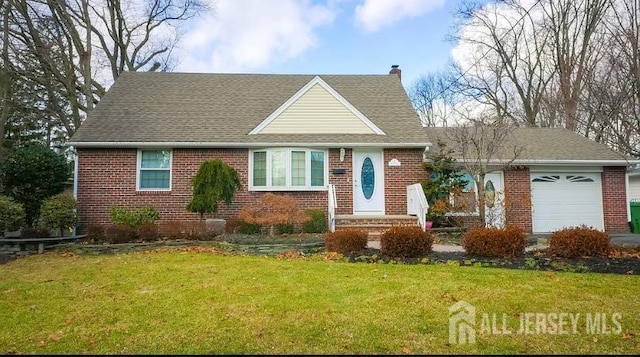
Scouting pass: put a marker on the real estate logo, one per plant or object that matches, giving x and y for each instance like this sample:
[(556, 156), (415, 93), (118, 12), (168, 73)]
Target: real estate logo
[(462, 322), (463, 328)]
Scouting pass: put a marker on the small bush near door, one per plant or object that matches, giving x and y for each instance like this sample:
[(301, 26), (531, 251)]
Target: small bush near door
[(578, 242), (495, 242), (317, 222), (406, 242), (345, 241)]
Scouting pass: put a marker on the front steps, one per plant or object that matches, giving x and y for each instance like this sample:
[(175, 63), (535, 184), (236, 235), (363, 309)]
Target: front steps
[(375, 225)]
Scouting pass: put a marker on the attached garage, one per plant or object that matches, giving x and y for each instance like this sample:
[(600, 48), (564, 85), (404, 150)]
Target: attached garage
[(566, 199)]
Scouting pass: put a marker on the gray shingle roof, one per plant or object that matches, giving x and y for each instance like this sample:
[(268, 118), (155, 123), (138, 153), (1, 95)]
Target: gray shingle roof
[(160, 107), (544, 144)]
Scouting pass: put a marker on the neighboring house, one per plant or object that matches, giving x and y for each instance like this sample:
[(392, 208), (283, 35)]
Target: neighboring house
[(557, 179), (351, 145)]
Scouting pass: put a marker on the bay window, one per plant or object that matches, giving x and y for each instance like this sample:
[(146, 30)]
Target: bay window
[(287, 169)]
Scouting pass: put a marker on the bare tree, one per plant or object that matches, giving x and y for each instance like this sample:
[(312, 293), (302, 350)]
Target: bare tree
[(63, 49), (507, 65), (573, 27), (481, 149), (432, 97)]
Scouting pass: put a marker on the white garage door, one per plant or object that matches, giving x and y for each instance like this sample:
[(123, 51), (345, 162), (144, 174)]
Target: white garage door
[(562, 200)]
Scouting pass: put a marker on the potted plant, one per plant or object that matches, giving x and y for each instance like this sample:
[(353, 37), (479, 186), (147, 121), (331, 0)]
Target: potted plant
[(429, 218)]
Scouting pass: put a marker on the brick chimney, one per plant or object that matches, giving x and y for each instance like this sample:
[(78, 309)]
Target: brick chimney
[(396, 70)]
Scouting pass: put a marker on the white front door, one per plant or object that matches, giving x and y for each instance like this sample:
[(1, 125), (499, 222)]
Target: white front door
[(368, 182)]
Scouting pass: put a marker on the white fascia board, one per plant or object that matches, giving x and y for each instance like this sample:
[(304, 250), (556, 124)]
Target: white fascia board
[(563, 162), (305, 89), (183, 144)]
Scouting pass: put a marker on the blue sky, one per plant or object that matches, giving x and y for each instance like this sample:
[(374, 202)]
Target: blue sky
[(320, 37)]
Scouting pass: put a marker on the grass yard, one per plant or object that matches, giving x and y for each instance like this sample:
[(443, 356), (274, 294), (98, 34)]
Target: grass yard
[(203, 302)]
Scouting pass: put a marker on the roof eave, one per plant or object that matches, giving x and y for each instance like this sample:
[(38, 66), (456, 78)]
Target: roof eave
[(534, 162), (185, 144)]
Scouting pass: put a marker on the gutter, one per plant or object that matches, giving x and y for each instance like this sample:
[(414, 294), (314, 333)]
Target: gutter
[(534, 162), (186, 144)]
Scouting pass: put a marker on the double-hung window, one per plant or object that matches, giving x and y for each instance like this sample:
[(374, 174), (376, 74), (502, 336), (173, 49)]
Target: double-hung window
[(154, 170), (287, 169)]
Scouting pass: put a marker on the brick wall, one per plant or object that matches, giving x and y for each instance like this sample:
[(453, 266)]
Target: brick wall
[(517, 187), (107, 177), (397, 178), (343, 182), (614, 199)]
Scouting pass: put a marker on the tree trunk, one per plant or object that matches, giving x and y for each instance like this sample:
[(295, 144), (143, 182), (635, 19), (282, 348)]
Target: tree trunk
[(481, 199)]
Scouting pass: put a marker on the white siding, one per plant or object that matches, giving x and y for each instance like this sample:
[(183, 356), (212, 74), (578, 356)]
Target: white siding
[(634, 187), (317, 112)]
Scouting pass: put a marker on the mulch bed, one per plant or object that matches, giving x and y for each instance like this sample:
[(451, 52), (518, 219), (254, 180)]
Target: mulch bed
[(622, 260)]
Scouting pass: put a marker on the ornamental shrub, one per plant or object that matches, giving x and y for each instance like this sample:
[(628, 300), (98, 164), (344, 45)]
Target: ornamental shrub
[(11, 214), (147, 232), (191, 230), (284, 228), (133, 218), (317, 222), (238, 225), (345, 241), (406, 242), (120, 233), (577, 242), (96, 233), (272, 209), (59, 212), (30, 174), (495, 242), (215, 181)]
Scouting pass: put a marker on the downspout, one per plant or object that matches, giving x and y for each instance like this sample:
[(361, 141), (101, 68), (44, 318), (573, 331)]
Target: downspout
[(75, 181), (626, 188)]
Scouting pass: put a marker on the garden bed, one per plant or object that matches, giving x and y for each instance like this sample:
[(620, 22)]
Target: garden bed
[(621, 260)]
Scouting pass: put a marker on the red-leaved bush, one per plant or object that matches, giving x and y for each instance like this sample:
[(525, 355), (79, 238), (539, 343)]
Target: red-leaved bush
[(345, 241), (577, 242), (406, 241), (495, 242)]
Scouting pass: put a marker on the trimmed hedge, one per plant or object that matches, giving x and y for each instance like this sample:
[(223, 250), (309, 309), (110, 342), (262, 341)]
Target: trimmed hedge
[(345, 241), (406, 242), (577, 242), (495, 242)]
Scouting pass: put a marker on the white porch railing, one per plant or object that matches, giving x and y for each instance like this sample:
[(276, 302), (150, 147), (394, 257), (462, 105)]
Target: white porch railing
[(417, 204), (332, 208)]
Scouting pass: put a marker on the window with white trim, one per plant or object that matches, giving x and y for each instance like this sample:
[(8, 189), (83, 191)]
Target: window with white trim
[(154, 170), (288, 169)]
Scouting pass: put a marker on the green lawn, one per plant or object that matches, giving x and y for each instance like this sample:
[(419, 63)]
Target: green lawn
[(199, 302)]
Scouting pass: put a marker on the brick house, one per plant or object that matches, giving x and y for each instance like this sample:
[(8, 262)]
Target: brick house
[(351, 145)]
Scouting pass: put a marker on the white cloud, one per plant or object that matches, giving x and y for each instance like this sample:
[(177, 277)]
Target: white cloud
[(246, 35), (373, 15)]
